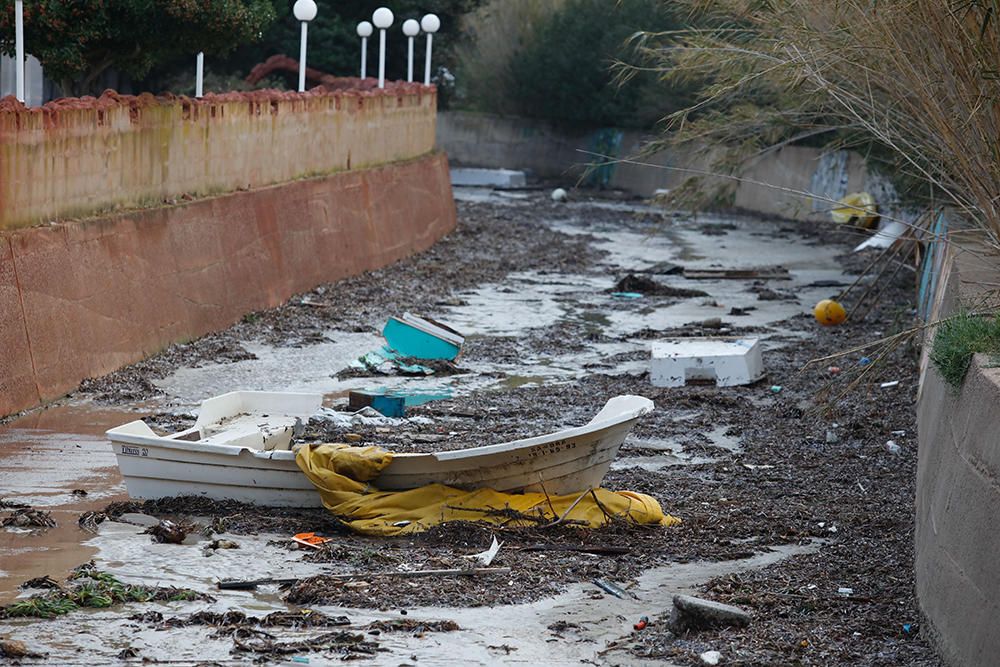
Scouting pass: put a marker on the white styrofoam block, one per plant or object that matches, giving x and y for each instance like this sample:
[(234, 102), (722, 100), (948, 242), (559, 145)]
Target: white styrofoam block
[(727, 361), (493, 178)]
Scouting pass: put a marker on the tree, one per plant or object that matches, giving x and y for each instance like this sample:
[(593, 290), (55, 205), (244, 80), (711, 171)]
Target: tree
[(334, 46), (78, 40), (565, 72)]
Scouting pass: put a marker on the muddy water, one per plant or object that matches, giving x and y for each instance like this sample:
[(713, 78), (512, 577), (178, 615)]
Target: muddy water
[(518, 634), (44, 458)]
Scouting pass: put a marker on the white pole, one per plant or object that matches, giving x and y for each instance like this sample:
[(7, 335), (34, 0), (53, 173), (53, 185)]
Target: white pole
[(199, 76), (364, 57), (381, 58), (302, 57), (427, 61), (19, 49), (409, 61)]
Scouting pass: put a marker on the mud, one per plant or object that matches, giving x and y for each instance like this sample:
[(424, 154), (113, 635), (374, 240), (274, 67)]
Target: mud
[(798, 482)]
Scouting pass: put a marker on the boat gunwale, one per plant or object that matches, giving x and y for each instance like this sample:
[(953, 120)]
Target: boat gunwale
[(115, 436)]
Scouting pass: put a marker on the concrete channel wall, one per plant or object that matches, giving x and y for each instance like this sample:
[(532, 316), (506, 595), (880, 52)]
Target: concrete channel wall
[(316, 187), (958, 481), (78, 157), (484, 140)]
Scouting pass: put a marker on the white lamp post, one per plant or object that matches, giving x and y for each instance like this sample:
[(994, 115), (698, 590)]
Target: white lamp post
[(305, 11), (431, 24), (382, 18), (365, 30), (199, 74), (411, 28), (19, 50)]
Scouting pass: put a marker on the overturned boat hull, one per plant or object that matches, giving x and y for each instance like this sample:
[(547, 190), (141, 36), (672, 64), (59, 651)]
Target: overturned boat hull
[(224, 457)]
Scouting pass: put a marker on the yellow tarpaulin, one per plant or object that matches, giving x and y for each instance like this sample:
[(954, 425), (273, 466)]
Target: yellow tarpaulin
[(341, 474)]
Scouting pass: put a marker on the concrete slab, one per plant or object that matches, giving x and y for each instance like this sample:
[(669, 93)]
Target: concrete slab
[(497, 178)]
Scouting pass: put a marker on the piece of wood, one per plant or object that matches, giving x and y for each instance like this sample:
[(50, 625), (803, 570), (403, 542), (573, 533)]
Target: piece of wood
[(737, 274), (230, 584), (599, 550)]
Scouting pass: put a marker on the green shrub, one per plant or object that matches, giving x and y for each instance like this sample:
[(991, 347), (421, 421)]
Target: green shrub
[(960, 337)]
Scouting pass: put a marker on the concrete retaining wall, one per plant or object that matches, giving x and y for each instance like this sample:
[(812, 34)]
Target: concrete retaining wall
[(484, 140), (81, 299), (80, 157), (958, 483)]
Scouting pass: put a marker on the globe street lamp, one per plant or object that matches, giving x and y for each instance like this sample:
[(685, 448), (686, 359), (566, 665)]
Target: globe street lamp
[(19, 50), (431, 24), (382, 18), (305, 11), (365, 30), (411, 28)]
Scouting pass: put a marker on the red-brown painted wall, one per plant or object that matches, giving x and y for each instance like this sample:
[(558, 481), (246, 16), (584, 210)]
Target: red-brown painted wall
[(81, 299)]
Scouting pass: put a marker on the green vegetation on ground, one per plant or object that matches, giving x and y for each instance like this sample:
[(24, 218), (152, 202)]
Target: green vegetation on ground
[(957, 339)]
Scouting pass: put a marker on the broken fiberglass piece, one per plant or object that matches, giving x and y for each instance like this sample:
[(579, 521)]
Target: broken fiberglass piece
[(726, 361), (422, 338)]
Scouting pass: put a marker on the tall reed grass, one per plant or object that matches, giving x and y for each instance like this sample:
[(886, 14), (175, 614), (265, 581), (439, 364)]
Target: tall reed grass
[(916, 83)]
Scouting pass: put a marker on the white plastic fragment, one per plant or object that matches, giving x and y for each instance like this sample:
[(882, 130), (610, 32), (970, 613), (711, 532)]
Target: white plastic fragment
[(845, 591), (711, 657), (893, 447), (486, 557), (886, 385), (727, 361)]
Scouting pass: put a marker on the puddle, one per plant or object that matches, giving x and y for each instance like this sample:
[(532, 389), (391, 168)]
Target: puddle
[(44, 456), (671, 451)]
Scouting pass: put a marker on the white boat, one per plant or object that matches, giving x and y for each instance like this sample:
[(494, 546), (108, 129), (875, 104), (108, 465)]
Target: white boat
[(242, 448)]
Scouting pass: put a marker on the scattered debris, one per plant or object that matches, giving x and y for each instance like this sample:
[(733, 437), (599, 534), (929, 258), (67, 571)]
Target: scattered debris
[(233, 584), (710, 657), (41, 582), (486, 557), (413, 626), (641, 625), (726, 361), (559, 195), (609, 587), (889, 385), (12, 648), (774, 273), (833, 370), (29, 518), (776, 388), (845, 591), (626, 295), (222, 544), (168, 532), (649, 287), (386, 404), (691, 613), (893, 447), (311, 540), (89, 521)]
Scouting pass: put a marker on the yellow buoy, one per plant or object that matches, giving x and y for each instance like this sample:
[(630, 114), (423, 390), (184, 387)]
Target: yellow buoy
[(828, 312)]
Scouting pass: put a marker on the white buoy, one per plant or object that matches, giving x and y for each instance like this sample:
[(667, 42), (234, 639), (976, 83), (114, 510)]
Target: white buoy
[(559, 195)]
